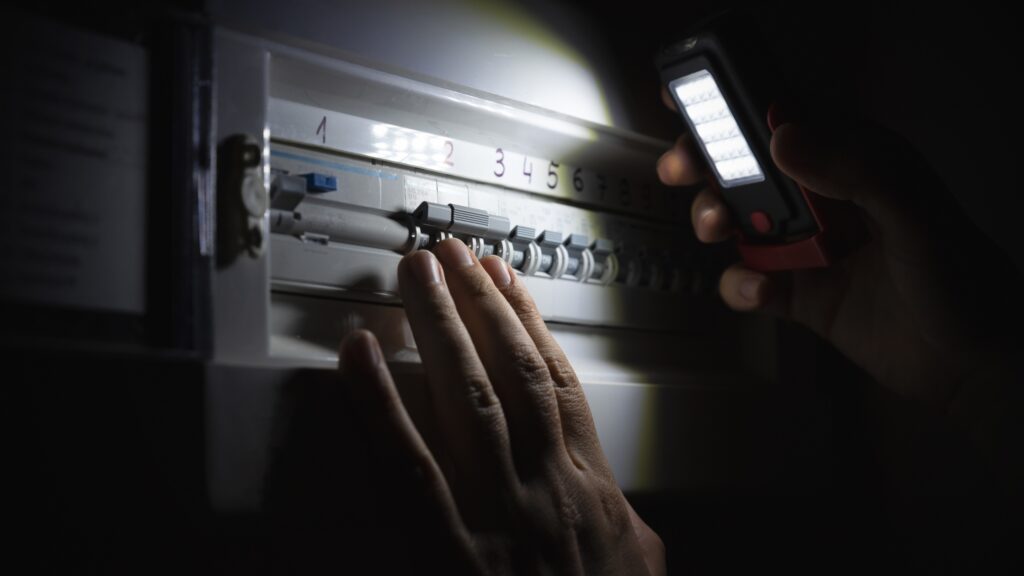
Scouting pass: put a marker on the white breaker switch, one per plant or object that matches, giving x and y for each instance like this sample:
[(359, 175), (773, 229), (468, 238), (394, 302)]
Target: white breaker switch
[(553, 256), (549, 253), (580, 262), (590, 262), (526, 256), (606, 263)]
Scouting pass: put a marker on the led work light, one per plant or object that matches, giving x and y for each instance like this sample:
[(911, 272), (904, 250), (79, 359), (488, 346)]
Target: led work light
[(724, 99)]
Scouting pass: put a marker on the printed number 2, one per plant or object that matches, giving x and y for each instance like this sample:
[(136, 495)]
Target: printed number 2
[(451, 150)]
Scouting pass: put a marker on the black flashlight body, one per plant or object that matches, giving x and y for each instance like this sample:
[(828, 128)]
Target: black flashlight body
[(778, 223)]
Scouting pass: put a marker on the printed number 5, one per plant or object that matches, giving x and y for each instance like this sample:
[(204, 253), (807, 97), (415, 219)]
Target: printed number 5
[(553, 175)]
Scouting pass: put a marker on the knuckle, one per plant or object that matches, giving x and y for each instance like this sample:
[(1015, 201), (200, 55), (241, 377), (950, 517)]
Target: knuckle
[(440, 313), (582, 504), (562, 373), (528, 364), (565, 499), (478, 287), (522, 304), (524, 307), (614, 508), (480, 394)]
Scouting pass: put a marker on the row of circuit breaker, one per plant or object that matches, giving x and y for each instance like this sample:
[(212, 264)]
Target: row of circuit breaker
[(545, 253)]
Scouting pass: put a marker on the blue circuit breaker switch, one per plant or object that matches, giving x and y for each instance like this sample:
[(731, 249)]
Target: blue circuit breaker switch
[(316, 182)]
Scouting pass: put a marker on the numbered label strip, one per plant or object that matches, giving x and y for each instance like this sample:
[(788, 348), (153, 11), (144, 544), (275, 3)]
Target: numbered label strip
[(483, 163)]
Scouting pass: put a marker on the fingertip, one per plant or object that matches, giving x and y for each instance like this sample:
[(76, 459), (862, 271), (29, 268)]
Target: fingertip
[(360, 352), (782, 112), (743, 289), (782, 144), (676, 169), (710, 218), (454, 254), (665, 169), (712, 225), (667, 100), (420, 268), (499, 271), (797, 151)]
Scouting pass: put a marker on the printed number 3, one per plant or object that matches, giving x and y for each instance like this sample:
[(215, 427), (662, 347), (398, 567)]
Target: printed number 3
[(500, 170)]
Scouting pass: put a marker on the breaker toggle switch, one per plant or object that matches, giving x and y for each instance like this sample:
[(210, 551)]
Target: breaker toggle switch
[(286, 192), (521, 252), (580, 262), (317, 182), (606, 263), (656, 271), (553, 255), (629, 265), (484, 233)]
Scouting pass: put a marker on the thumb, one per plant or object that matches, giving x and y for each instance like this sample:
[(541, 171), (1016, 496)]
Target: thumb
[(869, 167)]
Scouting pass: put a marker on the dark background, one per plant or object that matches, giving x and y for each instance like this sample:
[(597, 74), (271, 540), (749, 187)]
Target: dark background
[(107, 451)]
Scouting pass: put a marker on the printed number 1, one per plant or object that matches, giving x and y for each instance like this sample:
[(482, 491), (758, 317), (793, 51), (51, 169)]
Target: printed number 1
[(321, 130)]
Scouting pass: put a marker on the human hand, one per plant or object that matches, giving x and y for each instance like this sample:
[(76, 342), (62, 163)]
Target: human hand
[(919, 306), (526, 487)]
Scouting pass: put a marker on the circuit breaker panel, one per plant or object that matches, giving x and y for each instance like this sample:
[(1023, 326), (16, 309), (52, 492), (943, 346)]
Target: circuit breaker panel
[(571, 206), (351, 166)]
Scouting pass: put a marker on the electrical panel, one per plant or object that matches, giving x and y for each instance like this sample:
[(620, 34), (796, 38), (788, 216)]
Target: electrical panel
[(332, 168)]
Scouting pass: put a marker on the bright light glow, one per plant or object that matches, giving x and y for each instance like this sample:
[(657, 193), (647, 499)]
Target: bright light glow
[(720, 136), (401, 144), (718, 130), (419, 142), (728, 148), (380, 130), (381, 145), (708, 110)]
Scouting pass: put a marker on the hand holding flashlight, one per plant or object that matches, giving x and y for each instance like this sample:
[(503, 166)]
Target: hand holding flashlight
[(912, 305)]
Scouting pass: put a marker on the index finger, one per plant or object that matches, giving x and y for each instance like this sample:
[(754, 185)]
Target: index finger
[(517, 370), (469, 414)]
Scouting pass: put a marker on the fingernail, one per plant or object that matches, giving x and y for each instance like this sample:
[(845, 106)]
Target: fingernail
[(360, 351), (705, 216), (662, 168), (749, 288), (498, 271), (425, 268), (670, 167), (454, 254)]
